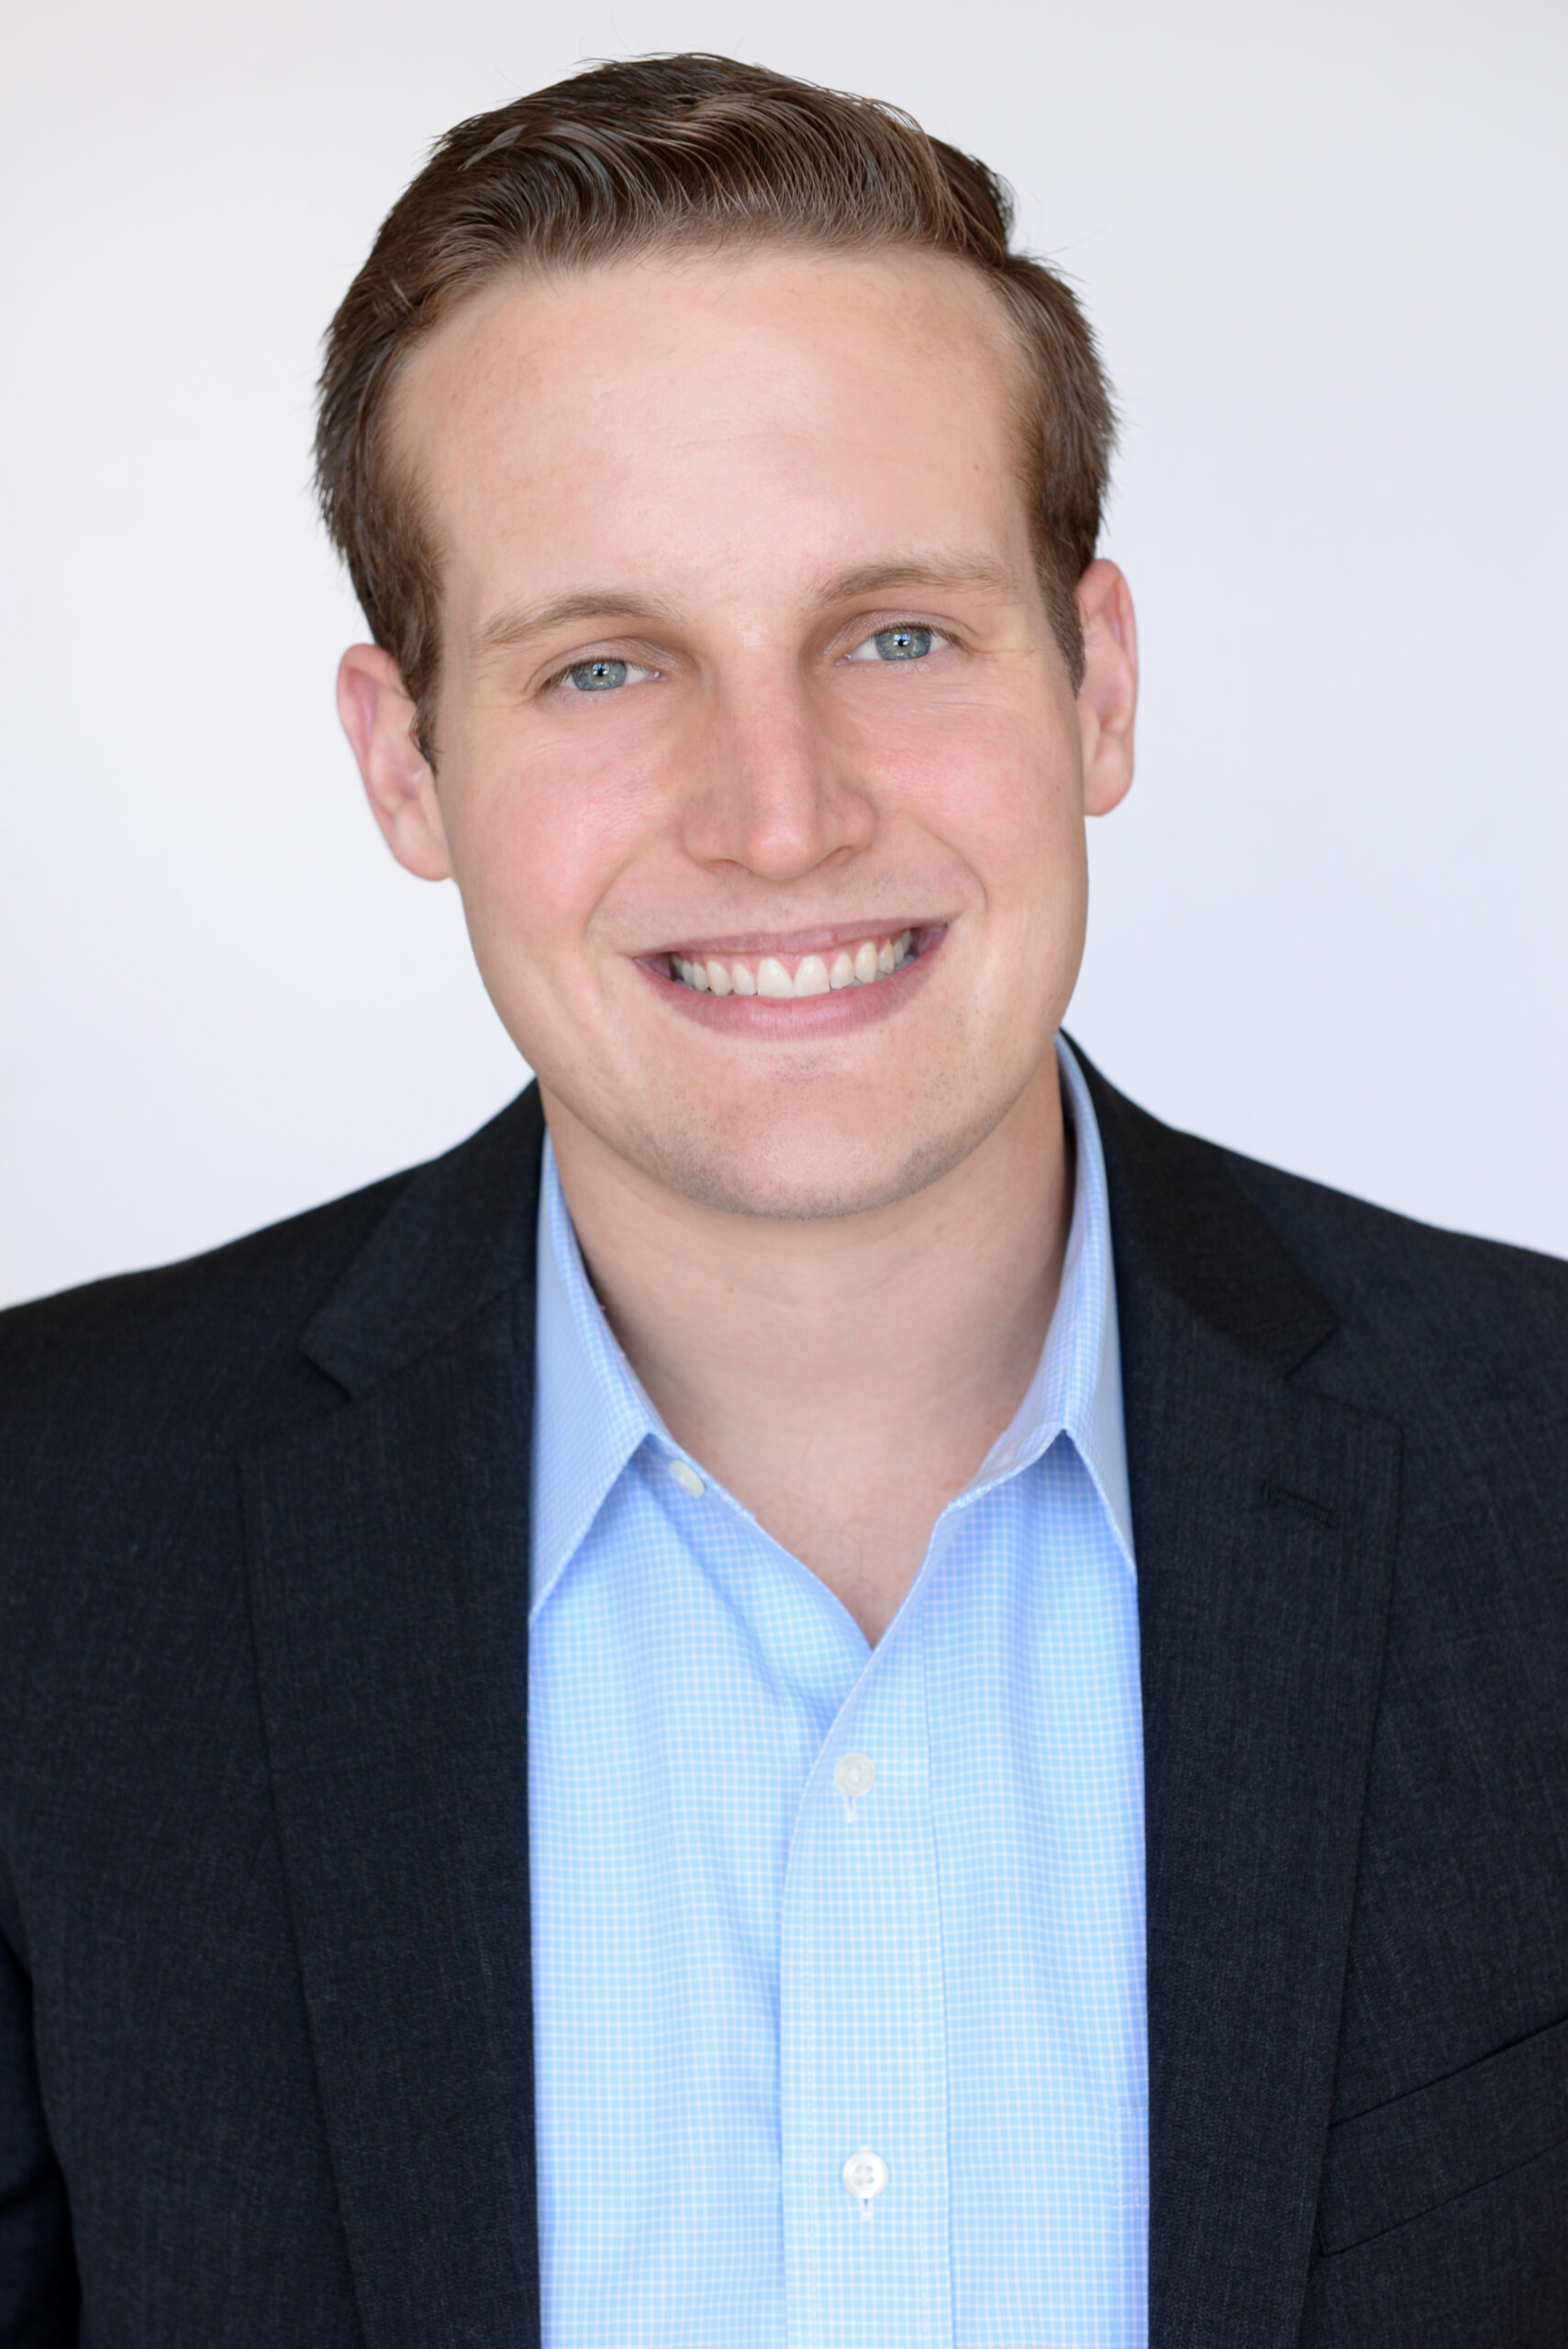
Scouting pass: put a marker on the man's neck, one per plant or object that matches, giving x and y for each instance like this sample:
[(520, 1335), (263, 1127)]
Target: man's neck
[(842, 1377)]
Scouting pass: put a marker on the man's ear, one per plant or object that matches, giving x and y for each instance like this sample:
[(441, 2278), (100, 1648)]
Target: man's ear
[(1108, 699), (378, 719)]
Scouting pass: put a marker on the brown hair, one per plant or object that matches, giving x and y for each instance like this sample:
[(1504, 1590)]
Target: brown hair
[(689, 151)]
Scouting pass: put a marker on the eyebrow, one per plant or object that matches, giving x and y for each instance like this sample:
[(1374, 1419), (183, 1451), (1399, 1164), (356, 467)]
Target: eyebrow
[(922, 571), (521, 624)]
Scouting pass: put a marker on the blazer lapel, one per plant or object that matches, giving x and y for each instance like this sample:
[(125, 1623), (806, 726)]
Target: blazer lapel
[(388, 1548), (1264, 1518)]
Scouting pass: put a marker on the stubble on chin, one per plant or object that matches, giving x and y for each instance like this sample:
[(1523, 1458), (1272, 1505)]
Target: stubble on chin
[(785, 1163)]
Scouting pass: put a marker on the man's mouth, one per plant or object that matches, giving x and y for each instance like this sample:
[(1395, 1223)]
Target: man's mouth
[(859, 963)]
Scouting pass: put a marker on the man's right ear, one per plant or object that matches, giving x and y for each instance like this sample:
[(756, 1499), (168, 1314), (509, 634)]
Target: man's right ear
[(378, 719)]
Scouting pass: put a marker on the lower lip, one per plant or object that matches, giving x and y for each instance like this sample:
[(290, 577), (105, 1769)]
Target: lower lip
[(798, 1018)]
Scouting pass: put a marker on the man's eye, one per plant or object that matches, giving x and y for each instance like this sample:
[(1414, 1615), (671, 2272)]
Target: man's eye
[(905, 642), (602, 675)]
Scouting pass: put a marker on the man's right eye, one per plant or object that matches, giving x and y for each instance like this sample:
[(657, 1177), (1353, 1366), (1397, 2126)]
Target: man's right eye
[(598, 676), (603, 674)]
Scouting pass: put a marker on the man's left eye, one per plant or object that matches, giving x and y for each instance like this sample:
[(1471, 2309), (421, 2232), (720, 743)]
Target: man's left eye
[(905, 642), (602, 675)]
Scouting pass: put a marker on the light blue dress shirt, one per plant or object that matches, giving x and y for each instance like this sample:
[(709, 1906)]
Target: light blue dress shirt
[(807, 1912)]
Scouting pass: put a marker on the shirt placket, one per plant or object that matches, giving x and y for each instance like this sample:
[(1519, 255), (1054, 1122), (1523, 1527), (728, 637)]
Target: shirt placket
[(862, 2030)]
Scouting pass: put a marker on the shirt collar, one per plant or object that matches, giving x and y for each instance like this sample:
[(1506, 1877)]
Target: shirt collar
[(1076, 1389), (590, 1410), (591, 1414)]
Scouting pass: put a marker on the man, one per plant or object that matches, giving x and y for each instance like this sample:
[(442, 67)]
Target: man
[(631, 1737)]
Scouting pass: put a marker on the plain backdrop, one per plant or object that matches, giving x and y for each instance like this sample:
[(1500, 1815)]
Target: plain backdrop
[(1323, 244)]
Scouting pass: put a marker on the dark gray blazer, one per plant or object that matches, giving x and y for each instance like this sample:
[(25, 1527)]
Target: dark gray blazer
[(264, 2008)]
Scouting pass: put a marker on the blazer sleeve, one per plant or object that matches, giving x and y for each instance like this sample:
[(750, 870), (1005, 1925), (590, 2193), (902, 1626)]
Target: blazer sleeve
[(38, 2294)]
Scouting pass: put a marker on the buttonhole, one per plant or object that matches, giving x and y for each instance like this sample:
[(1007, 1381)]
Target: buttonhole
[(1281, 1496)]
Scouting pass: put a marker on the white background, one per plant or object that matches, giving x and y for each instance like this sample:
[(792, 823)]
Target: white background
[(1323, 242)]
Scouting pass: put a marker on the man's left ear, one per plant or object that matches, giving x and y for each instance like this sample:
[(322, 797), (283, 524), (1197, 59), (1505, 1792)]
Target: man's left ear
[(1108, 699)]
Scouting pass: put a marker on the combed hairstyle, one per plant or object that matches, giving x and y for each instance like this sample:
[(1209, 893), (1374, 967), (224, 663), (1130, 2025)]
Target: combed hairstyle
[(688, 152)]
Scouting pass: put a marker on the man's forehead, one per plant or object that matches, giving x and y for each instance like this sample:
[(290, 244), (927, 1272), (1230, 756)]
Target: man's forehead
[(642, 342)]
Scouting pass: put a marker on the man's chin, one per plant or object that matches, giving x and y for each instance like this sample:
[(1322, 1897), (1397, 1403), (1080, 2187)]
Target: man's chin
[(805, 1154), (799, 1176)]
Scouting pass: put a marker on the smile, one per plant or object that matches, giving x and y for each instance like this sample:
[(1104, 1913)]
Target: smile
[(779, 976)]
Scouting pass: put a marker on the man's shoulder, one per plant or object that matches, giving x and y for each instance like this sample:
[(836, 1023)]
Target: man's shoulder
[(1380, 1269), (251, 1293), (131, 1355), (123, 1406), (127, 1406), (180, 1337), (1432, 1328), (1461, 1343)]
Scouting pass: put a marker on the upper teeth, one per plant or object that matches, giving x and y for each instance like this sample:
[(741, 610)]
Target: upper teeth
[(814, 973)]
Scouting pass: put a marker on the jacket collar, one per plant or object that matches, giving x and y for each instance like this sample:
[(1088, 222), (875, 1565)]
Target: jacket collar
[(459, 1236), (1182, 1220)]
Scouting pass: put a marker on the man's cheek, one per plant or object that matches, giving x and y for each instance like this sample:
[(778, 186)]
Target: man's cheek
[(527, 869)]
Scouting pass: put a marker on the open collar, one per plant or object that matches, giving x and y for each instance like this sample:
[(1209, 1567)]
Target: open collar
[(1076, 1389), (592, 1413)]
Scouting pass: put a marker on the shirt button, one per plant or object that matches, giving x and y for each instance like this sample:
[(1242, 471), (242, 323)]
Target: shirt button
[(853, 1774), (866, 2174), (688, 1478)]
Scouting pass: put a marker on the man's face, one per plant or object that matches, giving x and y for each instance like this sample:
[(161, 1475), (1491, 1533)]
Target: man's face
[(749, 690)]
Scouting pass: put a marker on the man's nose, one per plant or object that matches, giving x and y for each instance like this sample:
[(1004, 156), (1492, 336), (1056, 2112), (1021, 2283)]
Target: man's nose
[(773, 790)]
